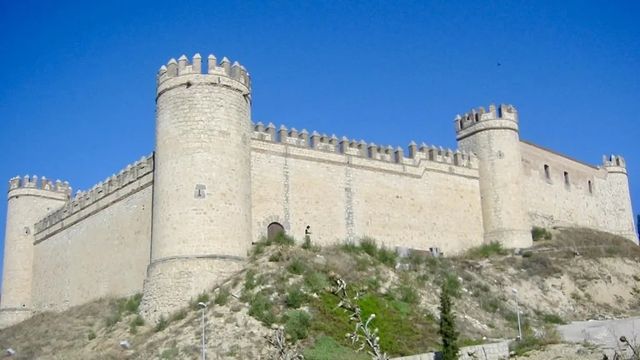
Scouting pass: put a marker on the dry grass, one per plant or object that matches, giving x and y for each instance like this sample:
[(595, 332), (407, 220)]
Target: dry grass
[(571, 242)]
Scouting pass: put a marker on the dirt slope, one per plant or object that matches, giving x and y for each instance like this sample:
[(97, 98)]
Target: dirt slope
[(579, 274)]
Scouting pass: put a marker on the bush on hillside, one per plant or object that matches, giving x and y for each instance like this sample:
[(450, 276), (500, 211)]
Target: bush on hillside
[(539, 233)]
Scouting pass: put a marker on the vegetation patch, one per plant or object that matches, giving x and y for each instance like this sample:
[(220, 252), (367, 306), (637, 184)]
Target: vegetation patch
[(297, 266), (529, 342), (539, 233), (295, 297), (222, 296), (485, 251), (553, 319), (135, 322), (162, 324), (315, 281), (326, 348), (297, 324), (261, 308), (403, 328), (202, 298)]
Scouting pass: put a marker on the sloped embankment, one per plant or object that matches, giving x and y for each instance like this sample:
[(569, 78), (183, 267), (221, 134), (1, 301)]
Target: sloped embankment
[(579, 274)]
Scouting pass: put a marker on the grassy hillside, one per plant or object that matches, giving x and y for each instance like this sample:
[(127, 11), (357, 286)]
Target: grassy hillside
[(574, 274)]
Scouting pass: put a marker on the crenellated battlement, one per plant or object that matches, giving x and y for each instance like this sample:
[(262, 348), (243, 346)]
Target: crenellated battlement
[(613, 161), (360, 148), (478, 115), (33, 182), (176, 68), (84, 199)]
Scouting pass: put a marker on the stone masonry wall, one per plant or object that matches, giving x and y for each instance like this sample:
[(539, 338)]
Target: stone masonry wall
[(589, 197), (100, 246), (346, 190)]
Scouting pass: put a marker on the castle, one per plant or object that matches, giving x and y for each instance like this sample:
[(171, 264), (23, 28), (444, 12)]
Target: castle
[(182, 219)]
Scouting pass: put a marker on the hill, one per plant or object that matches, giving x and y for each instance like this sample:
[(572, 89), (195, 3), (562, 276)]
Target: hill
[(575, 274)]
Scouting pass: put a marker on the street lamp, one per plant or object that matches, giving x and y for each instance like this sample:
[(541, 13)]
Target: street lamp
[(515, 296), (203, 306)]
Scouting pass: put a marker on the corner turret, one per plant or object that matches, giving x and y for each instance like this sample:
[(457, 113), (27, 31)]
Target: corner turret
[(29, 199), (620, 211)]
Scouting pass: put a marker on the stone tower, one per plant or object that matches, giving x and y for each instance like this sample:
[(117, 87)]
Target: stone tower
[(493, 136), (201, 227), (620, 200), (28, 201)]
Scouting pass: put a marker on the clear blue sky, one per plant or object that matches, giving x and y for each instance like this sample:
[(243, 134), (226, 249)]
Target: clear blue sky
[(77, 80)]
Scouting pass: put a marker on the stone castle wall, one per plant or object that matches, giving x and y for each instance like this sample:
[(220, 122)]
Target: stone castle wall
[(589, 196), (97, 244), (346, 190)]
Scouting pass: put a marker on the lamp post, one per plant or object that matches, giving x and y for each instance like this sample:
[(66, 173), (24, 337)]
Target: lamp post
[(515, 296), (203, 306)]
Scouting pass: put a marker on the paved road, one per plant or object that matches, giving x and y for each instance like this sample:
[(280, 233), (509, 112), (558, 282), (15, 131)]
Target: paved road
[(602, 332)]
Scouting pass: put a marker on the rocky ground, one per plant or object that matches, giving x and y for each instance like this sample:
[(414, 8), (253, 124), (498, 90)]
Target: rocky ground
[(577, 275)]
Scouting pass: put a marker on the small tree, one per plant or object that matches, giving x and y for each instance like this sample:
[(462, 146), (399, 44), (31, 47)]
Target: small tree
[(447, 329)]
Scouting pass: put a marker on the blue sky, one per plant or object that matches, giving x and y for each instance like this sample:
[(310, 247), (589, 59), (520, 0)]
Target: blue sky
[(78, 78)]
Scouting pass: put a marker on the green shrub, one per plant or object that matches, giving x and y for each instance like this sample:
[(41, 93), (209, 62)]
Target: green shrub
[(369, 246), (295, 297), (222, 297), (297, 266), (539, 233), (250, 279), (373, 283), (553, 319), (113, 318), (486, 251), (453, 284), (407, 294), (283, 239), (349, 247), (162, 324), (91, 335), (489, 304), (315, 280), (179, 315), (133, 303), (276, 257), (170, 354), (387, 256), (416, 259), (258, 247), (135, 322), (202, 298), (261, 308), (297, 324)]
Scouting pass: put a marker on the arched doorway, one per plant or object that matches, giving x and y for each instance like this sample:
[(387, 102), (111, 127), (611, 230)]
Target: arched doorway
[(273, 230)]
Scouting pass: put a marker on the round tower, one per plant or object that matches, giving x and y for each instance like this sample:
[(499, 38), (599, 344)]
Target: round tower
[(201, 228), (493, 136), (618, 199), (28, 201)]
